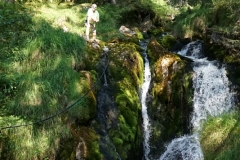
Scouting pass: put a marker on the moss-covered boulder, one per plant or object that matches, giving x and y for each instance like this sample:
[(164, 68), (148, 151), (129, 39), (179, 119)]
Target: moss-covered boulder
[(154, 50), (125, 63), (168, 41), (125, 74), (170, 100)]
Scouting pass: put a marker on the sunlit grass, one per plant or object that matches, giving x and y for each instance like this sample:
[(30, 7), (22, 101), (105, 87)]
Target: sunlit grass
[(159, 2), (30, 143), (71, 18), (39, 81), (220, 138)]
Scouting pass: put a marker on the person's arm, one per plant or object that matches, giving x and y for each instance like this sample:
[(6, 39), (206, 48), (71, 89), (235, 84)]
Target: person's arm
[(95, 18), (89, 16)]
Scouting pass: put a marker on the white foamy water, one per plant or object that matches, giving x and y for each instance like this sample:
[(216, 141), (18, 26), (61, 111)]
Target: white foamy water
[(145, 88), (212, 96), (183, 148)]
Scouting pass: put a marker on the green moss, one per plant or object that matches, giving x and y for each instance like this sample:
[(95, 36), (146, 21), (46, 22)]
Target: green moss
[(155, 50), (126, 63), (128, 109), (168, 41), (130, 117), (89, 138), (126, 135), (156, 32), (139, 34), (117, 141), (128, 104), (91, 56)]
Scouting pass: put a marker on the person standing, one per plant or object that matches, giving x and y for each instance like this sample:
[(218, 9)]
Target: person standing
[(92, 19)]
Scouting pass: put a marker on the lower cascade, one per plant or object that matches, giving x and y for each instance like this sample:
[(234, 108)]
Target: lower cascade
[(145, 87), (212, 96)]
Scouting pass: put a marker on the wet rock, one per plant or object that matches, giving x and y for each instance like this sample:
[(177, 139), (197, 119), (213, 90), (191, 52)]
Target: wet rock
[(126, 31)]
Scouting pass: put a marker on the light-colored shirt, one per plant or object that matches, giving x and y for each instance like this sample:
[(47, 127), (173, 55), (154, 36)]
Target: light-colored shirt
[(92, 17)]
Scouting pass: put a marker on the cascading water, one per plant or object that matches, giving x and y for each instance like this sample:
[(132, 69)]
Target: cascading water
[(212, 96), (145, 87)]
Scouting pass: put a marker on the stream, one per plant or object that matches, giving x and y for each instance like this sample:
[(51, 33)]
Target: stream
[(145, 88), (212, 96)]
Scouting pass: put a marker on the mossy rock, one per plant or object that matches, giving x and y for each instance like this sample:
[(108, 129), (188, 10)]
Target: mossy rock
[(83, 142), (126, 75), (171, 104), (139, 34), (125, 62), (128, 104), (168, 41), (124, 138), (91, 56), (215, 51), (87, 140), (156, 32), (155, 50)]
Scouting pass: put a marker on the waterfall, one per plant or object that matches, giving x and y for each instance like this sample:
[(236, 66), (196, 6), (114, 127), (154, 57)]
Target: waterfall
[(145, 87), (212, 96)]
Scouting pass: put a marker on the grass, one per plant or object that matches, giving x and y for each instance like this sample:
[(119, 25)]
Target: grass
[(38, 79), (220, 137), (220, 16), (41, 43)]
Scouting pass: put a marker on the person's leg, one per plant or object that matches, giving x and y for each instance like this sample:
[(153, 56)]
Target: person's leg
[(87, 31), (94, 33)]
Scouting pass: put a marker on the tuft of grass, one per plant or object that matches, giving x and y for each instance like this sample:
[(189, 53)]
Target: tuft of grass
[(220, 137)]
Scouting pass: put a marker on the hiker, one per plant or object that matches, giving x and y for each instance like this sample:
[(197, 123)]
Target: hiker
[(91, 20)]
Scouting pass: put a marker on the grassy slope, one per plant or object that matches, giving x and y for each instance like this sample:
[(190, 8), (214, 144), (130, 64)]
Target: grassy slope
[(37, 77), (37, 73)]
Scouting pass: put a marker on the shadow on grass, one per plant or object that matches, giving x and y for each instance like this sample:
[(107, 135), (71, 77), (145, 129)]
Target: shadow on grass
[(37, 81)]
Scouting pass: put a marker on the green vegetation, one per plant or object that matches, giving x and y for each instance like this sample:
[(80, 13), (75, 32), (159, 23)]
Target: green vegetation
[(220, 138), (46, 66), (194, 19), (109, 22), (128, 76), (38, 79)]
